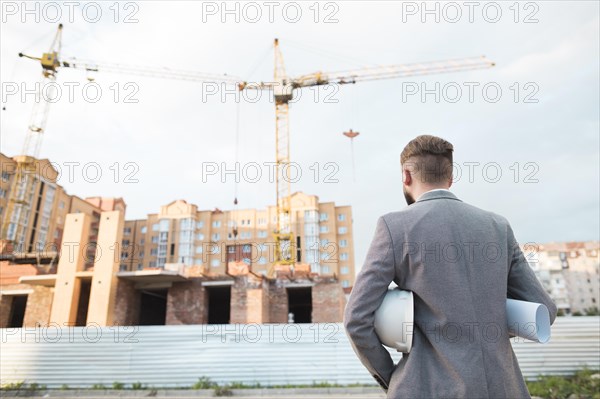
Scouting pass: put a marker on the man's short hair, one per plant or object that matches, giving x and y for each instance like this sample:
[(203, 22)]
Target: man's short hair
[(429, 158)]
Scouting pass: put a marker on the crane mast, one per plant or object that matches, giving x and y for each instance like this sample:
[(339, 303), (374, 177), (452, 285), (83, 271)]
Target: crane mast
[(282, 93), (18, 209)]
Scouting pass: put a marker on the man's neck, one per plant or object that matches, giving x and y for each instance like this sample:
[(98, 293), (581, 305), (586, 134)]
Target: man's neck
[(427, 190)]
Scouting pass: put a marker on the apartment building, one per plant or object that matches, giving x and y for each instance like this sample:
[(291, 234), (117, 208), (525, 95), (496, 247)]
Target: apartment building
[(181, 233), (36, 223), (570, 272)]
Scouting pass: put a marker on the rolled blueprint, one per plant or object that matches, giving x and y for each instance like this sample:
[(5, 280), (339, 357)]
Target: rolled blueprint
[(528, 320)]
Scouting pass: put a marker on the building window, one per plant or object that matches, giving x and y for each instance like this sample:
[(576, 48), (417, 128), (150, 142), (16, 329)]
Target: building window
[(155, 227), (342, 230), (163, 225), (127, 231), (323, 216), (154, 239), (344, 270), (122, 267), (324, 242), (144, 229), (324, 269), (344, 256), (262, 260), (142, 241), (140, 266), (198, 250), (262, 234), (341, 217), (125, 242), (343, 243), (215, 263), (216, 236), (153, 263), (216, 223), (324, 229), (153, 252), (199, 224), (345, 283)]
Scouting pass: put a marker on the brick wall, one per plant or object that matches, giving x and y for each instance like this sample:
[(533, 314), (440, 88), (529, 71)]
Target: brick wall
[(39, 304), (247, 300), (187, 303), (127, 304), (9, 274), (277, 301), (5, 306), (328, 302), (37, 310)]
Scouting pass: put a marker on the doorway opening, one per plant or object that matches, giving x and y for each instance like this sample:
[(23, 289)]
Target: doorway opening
[(153, 307), (219, 304), (17, 311), (300, 304)]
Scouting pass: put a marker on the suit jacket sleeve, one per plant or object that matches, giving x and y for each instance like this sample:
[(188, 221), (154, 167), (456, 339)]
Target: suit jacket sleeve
[(367, 295), (522, 281)]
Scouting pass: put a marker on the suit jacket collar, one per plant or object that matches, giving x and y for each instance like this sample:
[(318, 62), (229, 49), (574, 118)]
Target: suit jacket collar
[(437, 194)]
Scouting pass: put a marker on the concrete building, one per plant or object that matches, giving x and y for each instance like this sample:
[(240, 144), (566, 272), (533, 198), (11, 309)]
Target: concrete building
[(73, 261), (173, 294), (570, 273)]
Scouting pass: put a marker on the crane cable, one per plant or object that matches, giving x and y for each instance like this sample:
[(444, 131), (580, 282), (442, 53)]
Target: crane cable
[(235, 182)]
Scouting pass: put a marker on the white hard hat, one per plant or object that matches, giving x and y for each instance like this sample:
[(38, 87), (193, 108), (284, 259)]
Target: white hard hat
[(394, 320)]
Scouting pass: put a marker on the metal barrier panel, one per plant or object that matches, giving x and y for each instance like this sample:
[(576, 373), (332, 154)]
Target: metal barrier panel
[(269, 354)]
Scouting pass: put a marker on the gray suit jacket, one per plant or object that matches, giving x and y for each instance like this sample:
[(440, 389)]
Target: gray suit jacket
[(461, 263)]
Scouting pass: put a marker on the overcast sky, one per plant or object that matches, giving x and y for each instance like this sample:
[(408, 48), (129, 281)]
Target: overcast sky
[(541, 132)]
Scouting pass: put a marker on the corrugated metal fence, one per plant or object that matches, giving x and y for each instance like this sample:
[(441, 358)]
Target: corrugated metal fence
[(172, 356)]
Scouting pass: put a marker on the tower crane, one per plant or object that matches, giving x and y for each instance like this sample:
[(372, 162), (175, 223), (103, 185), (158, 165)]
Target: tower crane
[(283, 88), (18, 209)]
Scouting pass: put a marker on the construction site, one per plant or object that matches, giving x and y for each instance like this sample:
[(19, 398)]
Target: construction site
[(132, 263), (292, 262)]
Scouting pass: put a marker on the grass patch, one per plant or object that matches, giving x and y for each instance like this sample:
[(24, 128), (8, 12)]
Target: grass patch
[(585, 384)]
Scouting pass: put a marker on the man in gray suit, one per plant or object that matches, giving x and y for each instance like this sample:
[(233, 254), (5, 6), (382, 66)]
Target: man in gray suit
[(461, 263)]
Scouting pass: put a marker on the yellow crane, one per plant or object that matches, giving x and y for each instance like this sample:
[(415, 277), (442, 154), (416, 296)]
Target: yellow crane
[(18, 210), (283, 88)]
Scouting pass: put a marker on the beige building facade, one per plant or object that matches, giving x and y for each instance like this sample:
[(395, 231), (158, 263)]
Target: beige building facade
[(181, 233), (570, 272)]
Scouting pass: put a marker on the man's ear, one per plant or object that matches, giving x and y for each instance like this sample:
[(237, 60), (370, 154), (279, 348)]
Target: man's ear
[(406, 177)]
